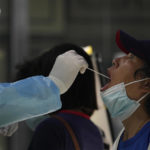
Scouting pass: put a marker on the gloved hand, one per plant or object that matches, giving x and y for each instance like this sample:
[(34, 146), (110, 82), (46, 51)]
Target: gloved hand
[(9, 130), (66, 69)]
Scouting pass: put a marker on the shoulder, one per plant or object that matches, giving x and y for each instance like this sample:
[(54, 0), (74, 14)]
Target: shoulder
[(48, 135), (49, 125)]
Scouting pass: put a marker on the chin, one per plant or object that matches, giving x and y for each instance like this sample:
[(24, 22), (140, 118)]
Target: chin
[(105, 87), (109, 85)]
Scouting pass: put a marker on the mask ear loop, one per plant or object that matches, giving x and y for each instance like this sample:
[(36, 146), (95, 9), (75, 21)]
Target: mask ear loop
[(143, 97), (136, 82)]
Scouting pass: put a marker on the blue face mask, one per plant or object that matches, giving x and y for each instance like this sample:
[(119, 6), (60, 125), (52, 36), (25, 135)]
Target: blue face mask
[(118, 103)]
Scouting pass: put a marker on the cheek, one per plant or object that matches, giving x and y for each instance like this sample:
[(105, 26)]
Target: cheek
[(123, 74)]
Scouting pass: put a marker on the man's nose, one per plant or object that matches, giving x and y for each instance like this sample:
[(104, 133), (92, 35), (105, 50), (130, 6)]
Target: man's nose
[(117, 61)]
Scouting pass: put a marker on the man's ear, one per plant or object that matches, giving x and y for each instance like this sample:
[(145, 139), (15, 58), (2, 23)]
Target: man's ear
[(146, 86)]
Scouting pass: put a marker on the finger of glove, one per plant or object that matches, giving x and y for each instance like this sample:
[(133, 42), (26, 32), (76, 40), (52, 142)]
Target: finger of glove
[(67, 56), (68, 53), (83, 69), (82, 63), (78, 60)]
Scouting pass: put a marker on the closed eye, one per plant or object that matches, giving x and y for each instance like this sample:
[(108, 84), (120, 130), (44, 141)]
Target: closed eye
[(131, 56)]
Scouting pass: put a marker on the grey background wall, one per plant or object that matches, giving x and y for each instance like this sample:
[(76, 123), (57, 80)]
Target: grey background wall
[(41, 25)]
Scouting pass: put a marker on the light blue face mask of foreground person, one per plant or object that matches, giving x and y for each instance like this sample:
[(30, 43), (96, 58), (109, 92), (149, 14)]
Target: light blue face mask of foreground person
[(118, 103)]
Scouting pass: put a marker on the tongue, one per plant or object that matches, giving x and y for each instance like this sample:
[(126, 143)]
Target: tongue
[(104, 87)]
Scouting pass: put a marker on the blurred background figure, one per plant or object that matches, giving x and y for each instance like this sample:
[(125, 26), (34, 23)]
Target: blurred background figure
[(26, 30), (78, 104)]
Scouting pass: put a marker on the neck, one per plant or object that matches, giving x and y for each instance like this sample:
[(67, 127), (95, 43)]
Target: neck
[(135, 123)]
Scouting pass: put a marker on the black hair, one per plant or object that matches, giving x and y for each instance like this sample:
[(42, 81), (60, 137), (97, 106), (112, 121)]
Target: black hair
[(144, 72), (81, 95)]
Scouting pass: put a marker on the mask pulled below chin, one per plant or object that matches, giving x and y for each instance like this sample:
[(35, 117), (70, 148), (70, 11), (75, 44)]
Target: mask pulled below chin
[(118, 103)]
